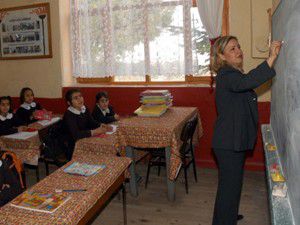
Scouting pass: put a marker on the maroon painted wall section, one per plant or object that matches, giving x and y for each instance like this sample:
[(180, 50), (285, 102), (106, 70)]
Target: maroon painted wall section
[(126, 99)]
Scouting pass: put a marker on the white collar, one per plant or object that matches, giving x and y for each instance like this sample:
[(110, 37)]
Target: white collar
[(104, 111), (7, 117), (76, 111), (28, 106)]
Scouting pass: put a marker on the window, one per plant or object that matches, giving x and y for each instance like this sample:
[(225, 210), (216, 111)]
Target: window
[(129, 39)]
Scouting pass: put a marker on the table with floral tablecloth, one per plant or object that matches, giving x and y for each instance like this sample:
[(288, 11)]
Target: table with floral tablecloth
[(28, 150), (103, 145), (160, 132), (80, 206)]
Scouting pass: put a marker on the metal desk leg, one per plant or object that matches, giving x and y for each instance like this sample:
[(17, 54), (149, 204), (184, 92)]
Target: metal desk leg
[(170, 184), (132, 182)]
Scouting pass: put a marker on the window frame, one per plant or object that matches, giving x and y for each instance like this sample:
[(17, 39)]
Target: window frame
[(189, 79)]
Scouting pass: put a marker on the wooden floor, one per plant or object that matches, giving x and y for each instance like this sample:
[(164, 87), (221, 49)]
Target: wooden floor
[(195, 208)]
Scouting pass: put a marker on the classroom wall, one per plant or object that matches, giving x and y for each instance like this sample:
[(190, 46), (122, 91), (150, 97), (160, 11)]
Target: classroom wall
[(44, 75), (48, 76), (240, 26)]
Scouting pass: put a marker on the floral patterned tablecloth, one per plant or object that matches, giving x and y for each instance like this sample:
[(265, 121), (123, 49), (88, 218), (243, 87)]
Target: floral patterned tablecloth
[(101, 146), (164, 131), (27, 150), (106, 145), (28, 156), (79, 204), (32, 142)]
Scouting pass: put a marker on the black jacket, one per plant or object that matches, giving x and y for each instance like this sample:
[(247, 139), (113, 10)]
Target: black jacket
[(101, 118), (78, 126), (26, 114), (10, 126), (236, 125)]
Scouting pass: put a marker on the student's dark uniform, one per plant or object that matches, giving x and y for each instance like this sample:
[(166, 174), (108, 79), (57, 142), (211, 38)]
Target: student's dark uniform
[(26, 114), (235, 132), (10, 126), (99, 116), (7, 177), (78, 127)]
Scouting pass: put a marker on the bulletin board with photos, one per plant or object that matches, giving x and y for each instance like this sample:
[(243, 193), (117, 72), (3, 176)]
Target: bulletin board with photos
[(25, 32)]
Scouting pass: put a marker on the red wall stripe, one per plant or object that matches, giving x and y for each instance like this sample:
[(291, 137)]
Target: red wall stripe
[(126, 99)]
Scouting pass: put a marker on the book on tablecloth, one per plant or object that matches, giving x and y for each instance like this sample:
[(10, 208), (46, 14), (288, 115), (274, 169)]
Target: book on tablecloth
[(155, 93), (154, 111), (39, 201), (49, 122), (83, 169), (22, 135)]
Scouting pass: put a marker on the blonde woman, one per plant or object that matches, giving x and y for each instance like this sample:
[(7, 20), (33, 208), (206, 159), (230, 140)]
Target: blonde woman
[(236, 125)]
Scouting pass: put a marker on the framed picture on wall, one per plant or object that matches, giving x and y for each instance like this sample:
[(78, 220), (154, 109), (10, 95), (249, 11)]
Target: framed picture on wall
[(25, 32)]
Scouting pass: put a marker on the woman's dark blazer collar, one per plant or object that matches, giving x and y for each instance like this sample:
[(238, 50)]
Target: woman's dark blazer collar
[(228, 69)]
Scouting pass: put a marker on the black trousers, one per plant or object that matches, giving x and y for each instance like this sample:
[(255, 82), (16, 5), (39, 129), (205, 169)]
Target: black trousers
[(231, 171)]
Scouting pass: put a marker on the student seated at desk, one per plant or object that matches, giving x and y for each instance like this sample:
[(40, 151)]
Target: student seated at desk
[(28, 106), (78, 122), (9, 122), (103, 112)]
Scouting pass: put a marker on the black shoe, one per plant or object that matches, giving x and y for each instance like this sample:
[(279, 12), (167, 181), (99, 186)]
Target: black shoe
[(240, 217)]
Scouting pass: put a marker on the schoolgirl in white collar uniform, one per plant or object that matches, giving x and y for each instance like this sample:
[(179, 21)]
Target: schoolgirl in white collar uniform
[(103, 112), (28, 106), (9, 122), (78, 122)]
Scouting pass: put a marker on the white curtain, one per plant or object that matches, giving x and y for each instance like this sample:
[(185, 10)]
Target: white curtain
[(132, 38), (211, 16)]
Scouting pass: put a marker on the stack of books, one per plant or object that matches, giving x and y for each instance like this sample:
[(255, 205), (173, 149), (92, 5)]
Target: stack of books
[(154, 103)]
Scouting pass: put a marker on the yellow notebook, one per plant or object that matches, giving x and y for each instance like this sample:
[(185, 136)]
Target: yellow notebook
[(157, 101), (152, 111)]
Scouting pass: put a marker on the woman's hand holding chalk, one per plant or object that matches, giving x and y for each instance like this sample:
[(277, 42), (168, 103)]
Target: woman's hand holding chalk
[(274, 51)]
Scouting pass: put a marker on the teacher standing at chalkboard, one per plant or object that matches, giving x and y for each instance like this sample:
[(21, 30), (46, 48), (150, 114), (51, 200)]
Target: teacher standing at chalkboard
[(236, 125)]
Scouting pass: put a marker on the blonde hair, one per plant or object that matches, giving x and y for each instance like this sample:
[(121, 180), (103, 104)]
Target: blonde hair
[(216, 63)]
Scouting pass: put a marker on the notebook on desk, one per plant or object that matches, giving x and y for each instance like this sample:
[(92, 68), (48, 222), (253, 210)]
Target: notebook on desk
[(22, 135), (48, 122), (83, 169), (39, 201)]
